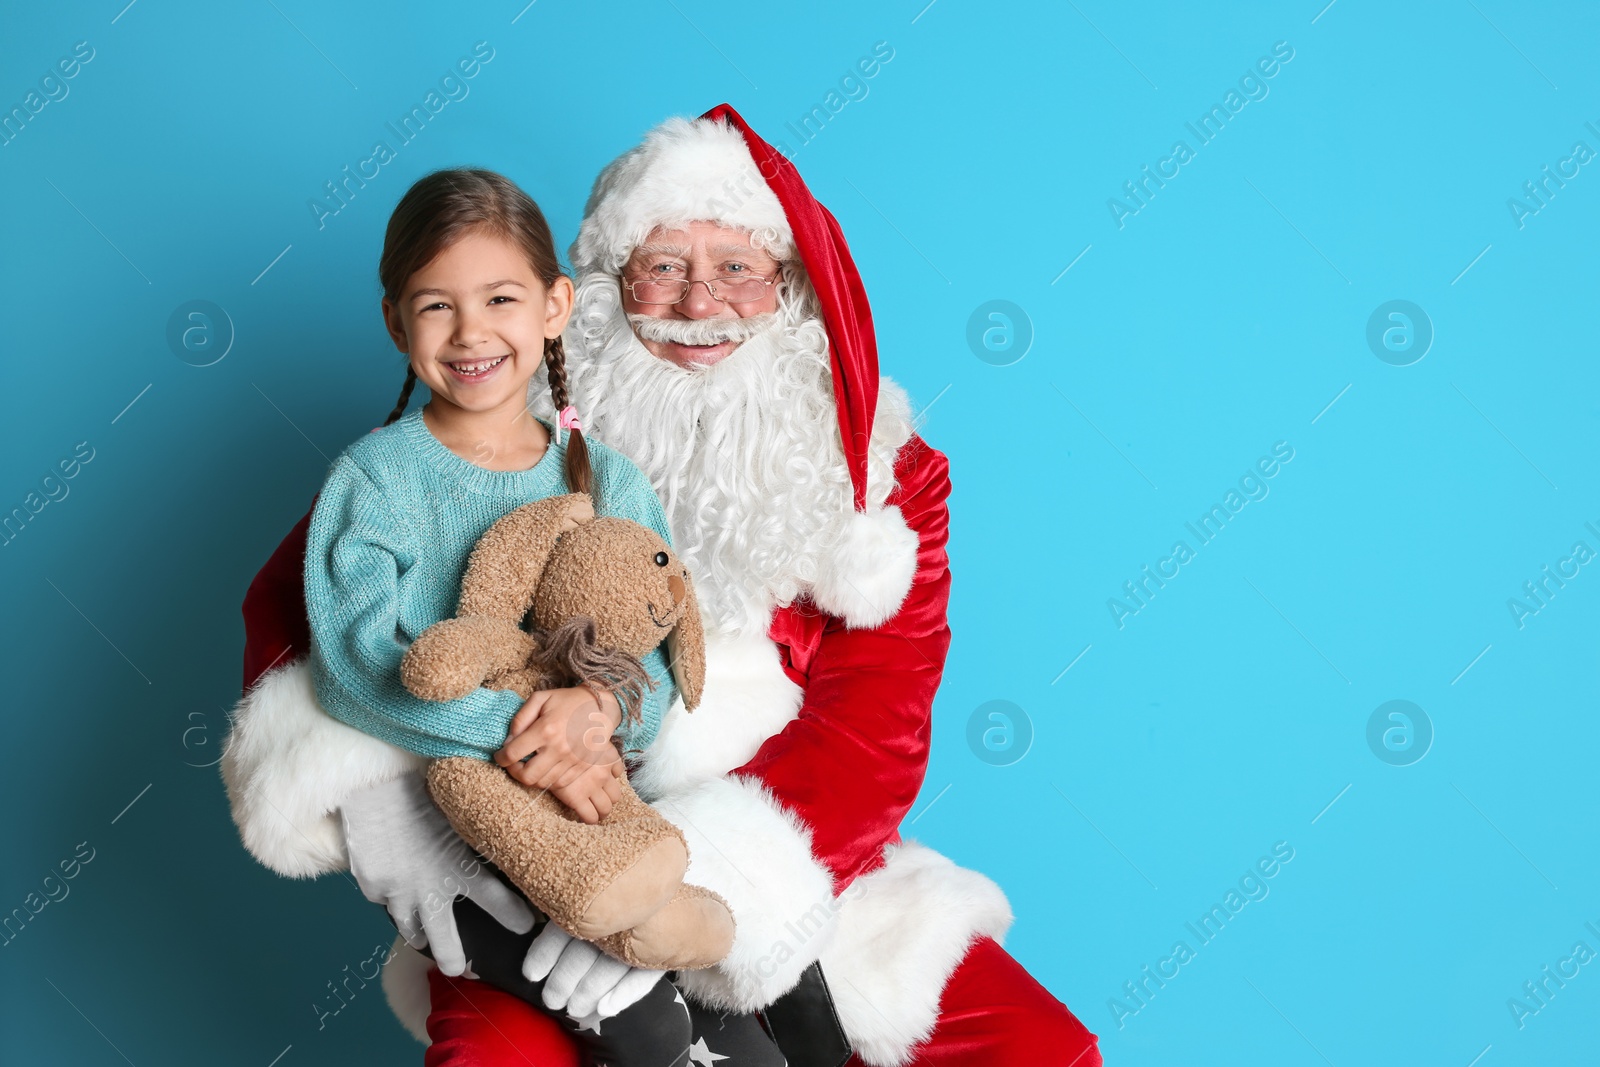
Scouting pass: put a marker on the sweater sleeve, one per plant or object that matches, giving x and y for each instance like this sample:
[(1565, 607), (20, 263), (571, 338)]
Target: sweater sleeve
[(356, 556), (626, 493)]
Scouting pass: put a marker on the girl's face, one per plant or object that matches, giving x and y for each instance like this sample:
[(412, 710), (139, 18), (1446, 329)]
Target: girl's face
[(474, 322)]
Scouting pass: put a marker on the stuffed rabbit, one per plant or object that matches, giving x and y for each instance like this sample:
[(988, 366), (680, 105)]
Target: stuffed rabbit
[(599, 593)]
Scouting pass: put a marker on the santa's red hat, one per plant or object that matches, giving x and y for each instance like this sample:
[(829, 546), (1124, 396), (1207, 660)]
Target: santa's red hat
[(717, 169)]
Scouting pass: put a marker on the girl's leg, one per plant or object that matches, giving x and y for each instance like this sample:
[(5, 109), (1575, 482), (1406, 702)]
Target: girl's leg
[(501, 1017), (730, 1040), (654, 1032), (476, 1025)]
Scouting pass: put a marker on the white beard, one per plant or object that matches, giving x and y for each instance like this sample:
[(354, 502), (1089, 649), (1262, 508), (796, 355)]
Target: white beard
[(745, 454)]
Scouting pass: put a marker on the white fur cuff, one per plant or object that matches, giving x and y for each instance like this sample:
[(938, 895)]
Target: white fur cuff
[(288, 766), (902, 930), (745, 846)]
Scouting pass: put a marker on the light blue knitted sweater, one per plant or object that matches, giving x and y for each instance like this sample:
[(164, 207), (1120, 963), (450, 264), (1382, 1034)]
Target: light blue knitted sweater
[(390, 535)]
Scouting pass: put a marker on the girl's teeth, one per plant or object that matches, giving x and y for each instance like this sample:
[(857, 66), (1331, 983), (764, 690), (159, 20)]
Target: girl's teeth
[(477, 368)]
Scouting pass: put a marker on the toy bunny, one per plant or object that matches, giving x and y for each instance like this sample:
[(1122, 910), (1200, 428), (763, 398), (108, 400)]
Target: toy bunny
[(599, 593)]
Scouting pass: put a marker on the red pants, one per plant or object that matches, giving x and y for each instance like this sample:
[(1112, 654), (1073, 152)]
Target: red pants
[(991, 1012)]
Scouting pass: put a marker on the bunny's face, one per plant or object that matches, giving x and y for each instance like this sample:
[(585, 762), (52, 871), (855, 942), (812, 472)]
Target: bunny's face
[(624, 577), (554, 557)]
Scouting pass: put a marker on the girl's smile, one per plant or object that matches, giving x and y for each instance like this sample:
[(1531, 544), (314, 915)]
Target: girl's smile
[(474, 371)]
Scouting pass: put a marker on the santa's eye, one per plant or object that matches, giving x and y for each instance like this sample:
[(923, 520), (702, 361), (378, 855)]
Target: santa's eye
[(661, 559)]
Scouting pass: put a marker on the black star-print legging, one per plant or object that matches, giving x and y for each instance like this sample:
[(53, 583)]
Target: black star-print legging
[(663, 1029)]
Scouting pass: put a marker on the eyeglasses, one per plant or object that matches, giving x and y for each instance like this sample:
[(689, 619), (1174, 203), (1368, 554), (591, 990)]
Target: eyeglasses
[(728, 288)]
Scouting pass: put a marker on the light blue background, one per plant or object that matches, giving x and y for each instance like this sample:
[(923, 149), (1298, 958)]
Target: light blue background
[(1227, 315)]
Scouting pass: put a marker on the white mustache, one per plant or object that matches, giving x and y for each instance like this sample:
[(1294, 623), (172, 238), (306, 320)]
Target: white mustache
[(699, 331)]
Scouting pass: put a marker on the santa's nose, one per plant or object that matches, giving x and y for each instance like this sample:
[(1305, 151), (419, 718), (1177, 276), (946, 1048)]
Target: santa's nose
[(698, 303), (676, 588)]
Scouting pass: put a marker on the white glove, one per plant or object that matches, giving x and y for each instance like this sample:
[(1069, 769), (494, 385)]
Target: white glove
[(406, 857), (583, 980)]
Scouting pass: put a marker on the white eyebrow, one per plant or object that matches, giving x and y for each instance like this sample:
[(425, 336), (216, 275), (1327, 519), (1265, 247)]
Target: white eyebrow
[(661, 250)]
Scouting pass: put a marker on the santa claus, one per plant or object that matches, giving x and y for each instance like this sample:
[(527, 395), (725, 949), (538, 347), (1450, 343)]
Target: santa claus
[(722, 340)]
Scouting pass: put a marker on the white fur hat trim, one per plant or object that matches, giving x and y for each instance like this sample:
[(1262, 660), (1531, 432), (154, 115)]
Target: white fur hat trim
[(685, 171)]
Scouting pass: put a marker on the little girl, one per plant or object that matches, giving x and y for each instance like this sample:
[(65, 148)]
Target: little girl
[(475, 297)]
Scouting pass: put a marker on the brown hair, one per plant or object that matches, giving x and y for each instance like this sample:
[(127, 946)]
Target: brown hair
[(437, 211)]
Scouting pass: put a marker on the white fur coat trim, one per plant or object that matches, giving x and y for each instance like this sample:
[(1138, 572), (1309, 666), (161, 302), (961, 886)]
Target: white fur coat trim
[(405, 987), (288, 766), (747, 699), (685, 170)]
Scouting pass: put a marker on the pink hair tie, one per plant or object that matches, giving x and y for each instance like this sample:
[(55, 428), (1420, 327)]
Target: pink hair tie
[(567, 420)]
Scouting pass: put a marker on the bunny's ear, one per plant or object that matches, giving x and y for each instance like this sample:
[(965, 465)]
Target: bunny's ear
[(504, 570), (686, 646)]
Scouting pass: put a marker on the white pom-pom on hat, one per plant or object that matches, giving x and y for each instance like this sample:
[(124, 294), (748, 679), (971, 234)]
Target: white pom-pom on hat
[(866, 577)]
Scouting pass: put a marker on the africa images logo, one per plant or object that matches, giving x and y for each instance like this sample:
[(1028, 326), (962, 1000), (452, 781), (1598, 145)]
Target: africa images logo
[(1252, 486), (1252, 87), (452, 88)]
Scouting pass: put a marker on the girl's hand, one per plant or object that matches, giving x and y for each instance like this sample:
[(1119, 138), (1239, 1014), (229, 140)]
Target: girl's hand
[(567, 732), (591, 795)]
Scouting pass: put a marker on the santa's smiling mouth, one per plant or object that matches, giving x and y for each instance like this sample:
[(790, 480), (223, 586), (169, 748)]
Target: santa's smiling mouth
[(703, 353), (669, 624), (475, 370), (702, 342)]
